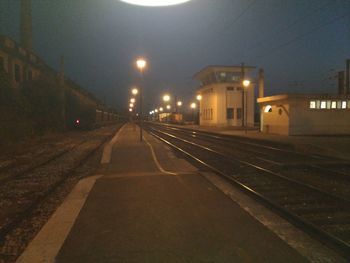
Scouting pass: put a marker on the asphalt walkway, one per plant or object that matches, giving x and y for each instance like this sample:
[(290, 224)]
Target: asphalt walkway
[(151, 206)]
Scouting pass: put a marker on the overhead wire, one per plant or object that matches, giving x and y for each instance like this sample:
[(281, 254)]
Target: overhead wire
[(289, 42)]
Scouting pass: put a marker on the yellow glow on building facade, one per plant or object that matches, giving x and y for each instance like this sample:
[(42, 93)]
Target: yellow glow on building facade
[(224, 99)]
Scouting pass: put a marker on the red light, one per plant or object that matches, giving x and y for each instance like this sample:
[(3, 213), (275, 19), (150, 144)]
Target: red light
[(77, 121)]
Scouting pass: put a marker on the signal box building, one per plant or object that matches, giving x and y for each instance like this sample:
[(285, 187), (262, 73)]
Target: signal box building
[(303, 114), (225, 102)]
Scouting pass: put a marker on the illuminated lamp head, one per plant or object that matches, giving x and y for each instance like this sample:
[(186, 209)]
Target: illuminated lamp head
[(155, 2)]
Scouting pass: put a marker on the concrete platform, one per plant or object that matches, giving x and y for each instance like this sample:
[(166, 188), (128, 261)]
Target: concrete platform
[(148, 205)]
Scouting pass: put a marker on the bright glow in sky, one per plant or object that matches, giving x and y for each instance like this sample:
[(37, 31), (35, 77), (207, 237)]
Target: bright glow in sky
[(155, 2)]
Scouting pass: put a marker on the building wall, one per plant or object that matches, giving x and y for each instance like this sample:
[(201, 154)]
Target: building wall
[(218, 98), (306, 121), (208, 106), (276, 121), (292, 115)]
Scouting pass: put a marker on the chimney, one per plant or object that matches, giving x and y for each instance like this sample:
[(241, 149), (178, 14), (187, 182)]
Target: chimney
[(261, 83), (26, 37), (341, 81), (347, 77)]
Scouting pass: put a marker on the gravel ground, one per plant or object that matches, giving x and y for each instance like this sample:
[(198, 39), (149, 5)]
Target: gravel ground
[(49, 183)]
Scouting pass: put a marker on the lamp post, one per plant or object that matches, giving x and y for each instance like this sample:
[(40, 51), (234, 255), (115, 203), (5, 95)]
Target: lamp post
[(141, 64), (199, 98), (245, 84), (193, 107)]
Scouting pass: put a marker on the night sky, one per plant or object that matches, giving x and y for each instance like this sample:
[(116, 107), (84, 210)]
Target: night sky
[(299, 43)]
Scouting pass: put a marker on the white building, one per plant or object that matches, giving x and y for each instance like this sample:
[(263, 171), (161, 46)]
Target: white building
[(305, 114), (225, 102)]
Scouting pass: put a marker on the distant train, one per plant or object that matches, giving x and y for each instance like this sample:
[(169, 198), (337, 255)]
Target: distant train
[(85, 120)]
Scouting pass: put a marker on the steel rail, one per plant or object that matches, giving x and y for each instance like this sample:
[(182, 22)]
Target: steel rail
[(309, 227), (229, 158), (340, 175)]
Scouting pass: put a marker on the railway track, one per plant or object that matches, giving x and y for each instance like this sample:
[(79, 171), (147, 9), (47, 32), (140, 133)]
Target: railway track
[(22, 193), (319, 208)]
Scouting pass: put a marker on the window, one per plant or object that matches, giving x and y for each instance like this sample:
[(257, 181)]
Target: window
[(30, 75), (323, 104), (312, 104), (17, 73), (230, 88), (338, 104), (239, 113), (239, 89), (343, 104), (229, 113), (2, 63), (211, 114), (334, 105)]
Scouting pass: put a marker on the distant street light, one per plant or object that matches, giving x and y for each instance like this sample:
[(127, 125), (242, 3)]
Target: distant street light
[(161, 109), (179, 103), (132, 100), (131, 105), (246, 83), (130, 110), (193, 105), (135, 91), (199, 97), (168, 107), (141, 64), (166, 98)]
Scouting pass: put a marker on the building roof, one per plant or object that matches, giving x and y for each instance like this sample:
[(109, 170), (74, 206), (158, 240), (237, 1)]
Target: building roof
[(289, 96), (213, 68)]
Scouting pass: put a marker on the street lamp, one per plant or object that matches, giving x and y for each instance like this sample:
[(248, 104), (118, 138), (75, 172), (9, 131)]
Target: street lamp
[(131, 105), (193, 107), (132, 100), (166, 98), (246, 84), (199, 97), (134, 91), (179, 103), (168, 107), (141, 64)]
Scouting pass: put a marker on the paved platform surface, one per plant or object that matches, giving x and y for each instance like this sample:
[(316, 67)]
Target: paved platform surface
[(140, 211)]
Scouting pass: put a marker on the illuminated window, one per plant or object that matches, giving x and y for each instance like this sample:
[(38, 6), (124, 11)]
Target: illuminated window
[(318, 104), (338, 104), (343, 104), (348, 104), (329, 104), (312, 104), (268, 108), (334, 105), (323, 104)]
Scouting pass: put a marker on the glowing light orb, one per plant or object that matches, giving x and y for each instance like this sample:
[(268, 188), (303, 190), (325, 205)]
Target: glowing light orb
[(155, 2)]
